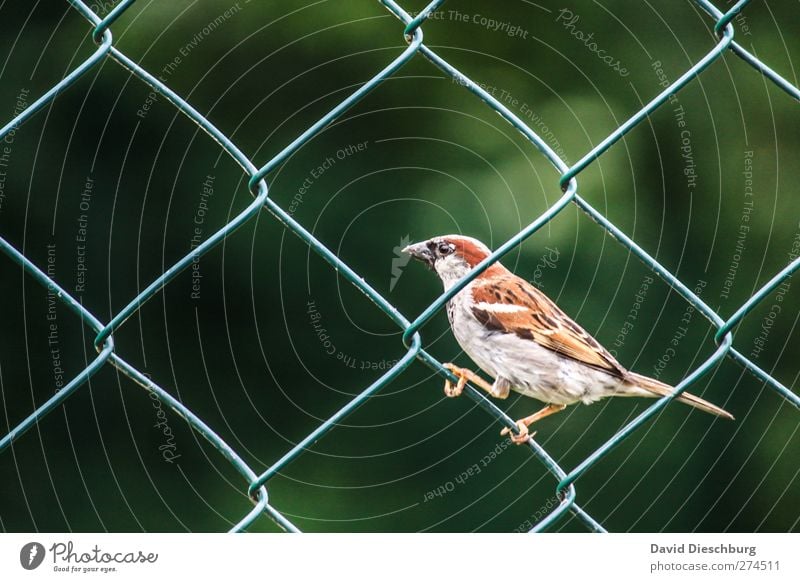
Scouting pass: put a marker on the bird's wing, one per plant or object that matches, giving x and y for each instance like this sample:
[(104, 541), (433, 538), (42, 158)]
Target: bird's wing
[(512, 305)]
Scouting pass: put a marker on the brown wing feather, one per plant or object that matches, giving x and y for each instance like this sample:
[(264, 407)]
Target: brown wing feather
[(542, 321)]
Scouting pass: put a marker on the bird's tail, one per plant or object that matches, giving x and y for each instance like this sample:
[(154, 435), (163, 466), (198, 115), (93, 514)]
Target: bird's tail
[(654, 388)]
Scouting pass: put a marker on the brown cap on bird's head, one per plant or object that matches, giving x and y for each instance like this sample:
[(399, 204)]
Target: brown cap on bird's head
[(470, 250)]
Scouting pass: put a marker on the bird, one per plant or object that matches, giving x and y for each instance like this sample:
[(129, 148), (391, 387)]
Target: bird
[(525, 342)]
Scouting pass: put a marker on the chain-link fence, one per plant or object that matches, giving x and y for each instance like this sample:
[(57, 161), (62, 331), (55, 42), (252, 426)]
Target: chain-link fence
[(412, 30)]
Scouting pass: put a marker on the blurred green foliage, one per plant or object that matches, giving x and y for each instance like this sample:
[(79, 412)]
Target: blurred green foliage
[(249, 355)]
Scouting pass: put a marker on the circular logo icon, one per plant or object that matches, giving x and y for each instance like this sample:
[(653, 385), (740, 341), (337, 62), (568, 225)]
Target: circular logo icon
[(31, 555)]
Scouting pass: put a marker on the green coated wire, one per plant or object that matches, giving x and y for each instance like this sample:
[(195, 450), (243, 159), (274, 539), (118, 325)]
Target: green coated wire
[(748, 57), (74, 305), (725, 19), (73, 76), (207, 432), (110, 18)]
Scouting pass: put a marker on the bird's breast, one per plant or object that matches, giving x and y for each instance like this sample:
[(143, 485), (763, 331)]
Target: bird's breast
[(530, 368)]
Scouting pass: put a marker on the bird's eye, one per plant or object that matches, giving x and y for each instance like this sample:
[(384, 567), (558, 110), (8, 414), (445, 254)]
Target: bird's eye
[(445, 248)]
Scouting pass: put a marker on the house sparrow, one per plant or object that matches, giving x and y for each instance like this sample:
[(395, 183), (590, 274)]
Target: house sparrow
[(518, 336)]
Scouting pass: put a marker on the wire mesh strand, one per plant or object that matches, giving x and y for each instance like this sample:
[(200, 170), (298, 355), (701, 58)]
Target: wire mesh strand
[(412, 339)]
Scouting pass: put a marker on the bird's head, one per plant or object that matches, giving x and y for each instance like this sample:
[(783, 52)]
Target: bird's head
[(453, 256)]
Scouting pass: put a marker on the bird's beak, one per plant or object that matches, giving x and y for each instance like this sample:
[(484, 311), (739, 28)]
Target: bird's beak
[(421, 252)]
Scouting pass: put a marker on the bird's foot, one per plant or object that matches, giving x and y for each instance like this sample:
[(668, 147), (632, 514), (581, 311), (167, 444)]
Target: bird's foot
[(524, 423), (518, 439), (463, 375)]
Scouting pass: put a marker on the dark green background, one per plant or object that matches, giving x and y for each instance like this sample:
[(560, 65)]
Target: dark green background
[(245, 356)]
